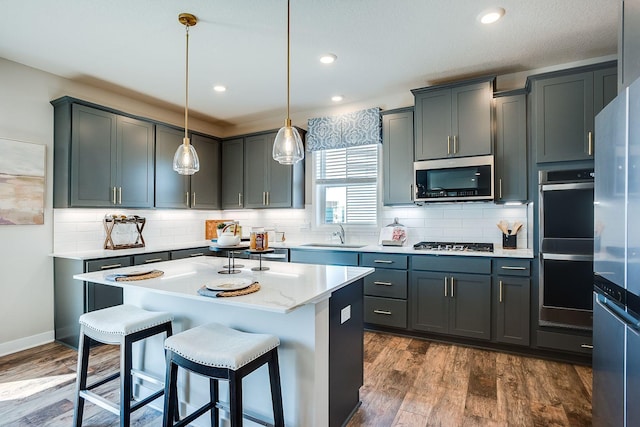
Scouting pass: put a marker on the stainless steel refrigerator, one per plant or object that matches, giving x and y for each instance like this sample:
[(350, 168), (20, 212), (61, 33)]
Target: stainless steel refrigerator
[(616, 308)]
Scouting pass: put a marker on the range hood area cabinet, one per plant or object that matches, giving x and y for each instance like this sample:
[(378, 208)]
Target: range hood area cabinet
[(454, 120), (267, 183), (101, 158), (511, 146), (563, 107), (198, 191)]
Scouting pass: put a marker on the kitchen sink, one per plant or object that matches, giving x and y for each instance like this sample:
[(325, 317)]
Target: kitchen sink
[(333, 245)]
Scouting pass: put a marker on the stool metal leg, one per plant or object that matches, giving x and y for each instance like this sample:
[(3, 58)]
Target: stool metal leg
[(170, 392), (81, 380), (126, 385), (276, 392), (235, 399), (215, 412)]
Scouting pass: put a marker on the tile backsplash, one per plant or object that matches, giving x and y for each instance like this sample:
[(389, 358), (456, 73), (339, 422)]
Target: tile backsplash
[(82, 229)]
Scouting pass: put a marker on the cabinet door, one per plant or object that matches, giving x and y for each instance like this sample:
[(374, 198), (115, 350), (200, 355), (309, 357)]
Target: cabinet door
[(397, 152), (232, 174), (512, 299), (429, 297), (103, 296), (257, 153), (511, 148), (563, 117), (471, 119), (605, 88), (135, 163), (93, 157), (279, 177), (470, 306), (433, 124), (172, 189), (205, 184)]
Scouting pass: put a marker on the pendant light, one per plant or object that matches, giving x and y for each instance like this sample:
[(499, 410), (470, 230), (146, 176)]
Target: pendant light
[(287, 147), (186, 161)]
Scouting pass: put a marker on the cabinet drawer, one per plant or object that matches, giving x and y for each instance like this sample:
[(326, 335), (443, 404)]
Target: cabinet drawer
[(385, 311), (512, 267), (386, 283), (150, 258), (459, 264), (107, 263), (565, 342), (384, 261), (186, 253)]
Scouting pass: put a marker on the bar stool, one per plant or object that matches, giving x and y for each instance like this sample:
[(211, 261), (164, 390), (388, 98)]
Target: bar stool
[(120, 325), (221, 353)]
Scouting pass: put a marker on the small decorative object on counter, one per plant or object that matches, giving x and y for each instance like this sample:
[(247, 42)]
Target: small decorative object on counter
[(229, 235), (509, 235), (123, 232), (394, 234), (258, 239)]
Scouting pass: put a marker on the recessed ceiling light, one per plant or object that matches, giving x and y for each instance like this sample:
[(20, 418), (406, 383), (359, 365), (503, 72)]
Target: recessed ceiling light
[(337, 98), (491, 15), (220, 88), (328, 58)]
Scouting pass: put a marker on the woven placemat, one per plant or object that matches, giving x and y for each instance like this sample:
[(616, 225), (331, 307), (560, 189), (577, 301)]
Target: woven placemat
[(150, 275), (254, 287)]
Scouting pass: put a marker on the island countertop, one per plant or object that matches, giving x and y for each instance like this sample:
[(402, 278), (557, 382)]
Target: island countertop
[(284, 287)]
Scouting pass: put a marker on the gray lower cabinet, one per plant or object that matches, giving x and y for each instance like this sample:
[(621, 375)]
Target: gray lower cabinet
[(200, 190), (189, 253), (233, 174), (511, 146), (454, 119), (101, 158), (512, 301), (143, 259), (267, 183), (397, 154), (385, 301), (448, 299), (563, 108), (325, 257)]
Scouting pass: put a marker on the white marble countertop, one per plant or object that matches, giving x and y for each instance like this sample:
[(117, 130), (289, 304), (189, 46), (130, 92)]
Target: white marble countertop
[(284, 287)]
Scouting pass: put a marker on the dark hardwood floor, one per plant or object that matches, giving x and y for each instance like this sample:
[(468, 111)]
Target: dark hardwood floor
[(408, 382)]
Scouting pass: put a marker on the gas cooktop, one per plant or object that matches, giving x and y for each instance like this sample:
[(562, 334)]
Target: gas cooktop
[(454, 247)]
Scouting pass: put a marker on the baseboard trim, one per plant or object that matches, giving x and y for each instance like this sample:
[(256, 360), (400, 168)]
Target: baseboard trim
[(26, 343)]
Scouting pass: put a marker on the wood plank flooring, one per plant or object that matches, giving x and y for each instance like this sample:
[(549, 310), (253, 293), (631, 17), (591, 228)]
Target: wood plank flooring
[(408, 382)]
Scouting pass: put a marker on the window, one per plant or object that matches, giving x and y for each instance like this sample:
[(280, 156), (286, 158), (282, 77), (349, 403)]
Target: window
[(346, 182)]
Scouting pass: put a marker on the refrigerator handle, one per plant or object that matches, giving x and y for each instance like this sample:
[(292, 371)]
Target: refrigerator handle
[(623, 315)]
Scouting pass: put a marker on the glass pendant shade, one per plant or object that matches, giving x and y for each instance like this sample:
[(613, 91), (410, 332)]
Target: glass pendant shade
[(287, 147), (186, 161)]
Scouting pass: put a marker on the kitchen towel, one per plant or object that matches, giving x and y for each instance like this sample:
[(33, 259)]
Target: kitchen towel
[(254, 287)]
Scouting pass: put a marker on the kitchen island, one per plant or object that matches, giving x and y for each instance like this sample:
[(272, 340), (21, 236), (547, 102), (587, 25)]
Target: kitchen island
[(315, 310)]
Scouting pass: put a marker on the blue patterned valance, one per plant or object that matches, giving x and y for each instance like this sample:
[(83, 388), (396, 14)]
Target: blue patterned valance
[(358, 128)]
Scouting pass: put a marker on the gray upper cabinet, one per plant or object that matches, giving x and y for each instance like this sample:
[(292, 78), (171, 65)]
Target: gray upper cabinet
[(563, 110), (172, 189), (511, 147), (397, 152), (454, 119), (200, 190), (205, 184), (629, 43), (267, 183), (233, 174), (102, 159)]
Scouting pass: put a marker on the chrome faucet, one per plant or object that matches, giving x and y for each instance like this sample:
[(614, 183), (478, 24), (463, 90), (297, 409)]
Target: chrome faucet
[(340, 233)]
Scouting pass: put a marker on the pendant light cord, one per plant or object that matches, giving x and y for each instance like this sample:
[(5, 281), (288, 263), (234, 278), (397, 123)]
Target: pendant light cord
[(288, 57), (186, 94)]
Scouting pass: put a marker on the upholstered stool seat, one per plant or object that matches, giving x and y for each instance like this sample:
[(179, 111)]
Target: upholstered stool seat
[(122, 325), (218, 352)]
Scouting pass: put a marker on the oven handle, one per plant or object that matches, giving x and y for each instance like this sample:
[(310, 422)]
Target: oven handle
[(567, 186), (567, 257)]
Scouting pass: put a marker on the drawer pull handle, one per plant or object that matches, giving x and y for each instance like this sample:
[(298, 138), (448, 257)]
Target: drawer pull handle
[(383, 283), (152, 260), (385, 312), (508, 267), (198, 254), (382, 261), (586, 346), (106, 267)]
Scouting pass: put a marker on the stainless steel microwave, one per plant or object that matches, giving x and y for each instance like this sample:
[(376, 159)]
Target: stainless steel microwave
[(454, 179)]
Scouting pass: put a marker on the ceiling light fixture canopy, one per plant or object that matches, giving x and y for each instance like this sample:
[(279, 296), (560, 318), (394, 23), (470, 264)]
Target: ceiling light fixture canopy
[(491, 15), (186, 161), (287, 147)]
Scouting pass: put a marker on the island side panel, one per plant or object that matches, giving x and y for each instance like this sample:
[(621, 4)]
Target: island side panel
[(303, 354), (346, 352)]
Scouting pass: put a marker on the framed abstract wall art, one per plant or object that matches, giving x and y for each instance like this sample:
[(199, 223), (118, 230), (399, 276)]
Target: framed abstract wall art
[(22, 182)]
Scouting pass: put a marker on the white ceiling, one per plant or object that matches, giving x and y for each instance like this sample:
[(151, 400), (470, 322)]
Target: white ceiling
[(384, 47)]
